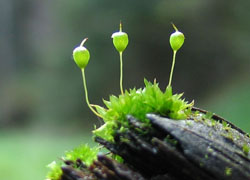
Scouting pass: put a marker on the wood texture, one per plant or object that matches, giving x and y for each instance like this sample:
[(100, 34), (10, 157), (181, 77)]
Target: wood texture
[(190, 149)]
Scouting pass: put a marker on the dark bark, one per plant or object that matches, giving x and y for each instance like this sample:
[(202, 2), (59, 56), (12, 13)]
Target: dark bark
[(190, 149)]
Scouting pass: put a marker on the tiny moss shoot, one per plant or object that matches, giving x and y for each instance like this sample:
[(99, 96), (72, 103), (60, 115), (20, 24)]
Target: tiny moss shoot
[(83, 152), (81, 57), (120, 41), (246, 149), (228, 171), (55, 172), (176, 41)]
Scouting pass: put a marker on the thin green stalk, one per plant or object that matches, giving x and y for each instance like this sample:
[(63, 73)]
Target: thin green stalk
[(121, 73), (86, 94), (172, 68)]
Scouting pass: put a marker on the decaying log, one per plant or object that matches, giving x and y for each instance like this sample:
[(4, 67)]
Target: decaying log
[(191, 149)]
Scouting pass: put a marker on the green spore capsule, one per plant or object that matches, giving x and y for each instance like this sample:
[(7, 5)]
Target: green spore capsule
[(81, 55), (176, 39), (120, 40)]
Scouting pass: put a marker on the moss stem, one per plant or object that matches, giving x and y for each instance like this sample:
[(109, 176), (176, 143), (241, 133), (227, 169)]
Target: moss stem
[(121, 73), (172, 68), (86, 94)]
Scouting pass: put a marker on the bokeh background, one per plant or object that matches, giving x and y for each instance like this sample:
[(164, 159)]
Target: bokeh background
[(43, 112)]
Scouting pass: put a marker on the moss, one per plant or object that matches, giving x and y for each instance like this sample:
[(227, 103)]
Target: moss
[(139, 102), (55, 171), (208, 115), (206, 156), (226, 126), (246, 149), (228, 171), (117, 158), (208, 122), (210, 150), (189, 123), (210, 134), (83, 152), (213, 123), (228, 135), (170, 140), (136, 102)]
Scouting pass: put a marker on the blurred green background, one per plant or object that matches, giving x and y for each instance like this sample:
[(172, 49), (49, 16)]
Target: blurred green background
[(43, 112)]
